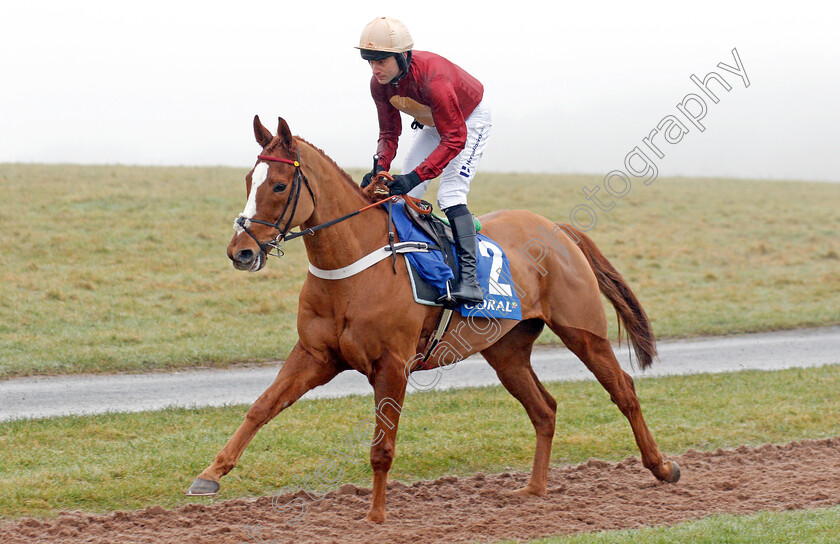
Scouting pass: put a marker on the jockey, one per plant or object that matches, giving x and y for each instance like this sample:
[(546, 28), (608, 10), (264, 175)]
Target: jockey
[(451, 126)]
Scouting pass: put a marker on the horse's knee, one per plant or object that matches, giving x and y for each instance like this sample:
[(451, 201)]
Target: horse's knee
[(259, 412), (544, 422), (545, 428), (381, 457)]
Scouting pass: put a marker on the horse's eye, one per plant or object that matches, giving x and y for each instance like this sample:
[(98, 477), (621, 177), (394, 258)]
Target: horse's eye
[(279, 187)]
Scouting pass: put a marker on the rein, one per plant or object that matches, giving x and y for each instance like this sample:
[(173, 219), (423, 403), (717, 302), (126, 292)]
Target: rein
[(285, 234)]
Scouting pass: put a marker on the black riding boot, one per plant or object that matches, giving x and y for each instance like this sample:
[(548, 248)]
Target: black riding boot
[(466, 289)]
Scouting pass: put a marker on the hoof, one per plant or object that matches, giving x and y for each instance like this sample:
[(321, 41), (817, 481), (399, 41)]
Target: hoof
[(203, 488), (675, 473), (373, 517), (528, 491)]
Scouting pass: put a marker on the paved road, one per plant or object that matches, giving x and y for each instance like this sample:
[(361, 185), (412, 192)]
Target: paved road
[(53, 396)]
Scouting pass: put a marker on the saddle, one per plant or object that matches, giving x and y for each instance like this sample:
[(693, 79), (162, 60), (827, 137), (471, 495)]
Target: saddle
[(438, 266)]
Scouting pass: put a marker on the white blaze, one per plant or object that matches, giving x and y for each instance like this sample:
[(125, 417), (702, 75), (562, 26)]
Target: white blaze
[(257, 178)]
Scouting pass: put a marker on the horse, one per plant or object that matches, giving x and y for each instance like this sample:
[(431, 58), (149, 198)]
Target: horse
[(369, 322)]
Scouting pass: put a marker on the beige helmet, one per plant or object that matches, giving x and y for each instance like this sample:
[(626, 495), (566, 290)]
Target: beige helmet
[(383, 37)]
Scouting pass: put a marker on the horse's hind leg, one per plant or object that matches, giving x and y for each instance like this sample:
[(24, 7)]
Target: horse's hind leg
[(300, 373), (597, 354), (510, 357)]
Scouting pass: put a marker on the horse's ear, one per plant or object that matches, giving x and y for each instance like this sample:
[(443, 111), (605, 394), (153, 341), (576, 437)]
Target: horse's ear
[(261, 133), (284, 133)]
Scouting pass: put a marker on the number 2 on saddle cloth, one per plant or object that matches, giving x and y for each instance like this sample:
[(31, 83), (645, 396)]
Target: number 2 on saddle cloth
[(493, 269)]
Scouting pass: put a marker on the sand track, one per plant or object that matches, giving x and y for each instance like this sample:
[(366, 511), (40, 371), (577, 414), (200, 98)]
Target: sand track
[(592, 496)]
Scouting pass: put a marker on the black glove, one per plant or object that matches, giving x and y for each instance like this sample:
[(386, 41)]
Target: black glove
[(403, 183), (369, 176)]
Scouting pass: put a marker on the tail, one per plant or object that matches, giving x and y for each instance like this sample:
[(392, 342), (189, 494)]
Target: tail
[(627, 307)]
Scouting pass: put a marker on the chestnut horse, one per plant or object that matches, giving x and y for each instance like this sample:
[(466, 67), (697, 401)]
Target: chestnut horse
[(369, 322)]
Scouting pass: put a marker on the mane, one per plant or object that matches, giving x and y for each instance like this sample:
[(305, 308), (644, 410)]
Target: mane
[(326, 157)]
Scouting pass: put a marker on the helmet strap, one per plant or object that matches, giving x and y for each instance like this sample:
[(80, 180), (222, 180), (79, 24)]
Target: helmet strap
[(403, 62)]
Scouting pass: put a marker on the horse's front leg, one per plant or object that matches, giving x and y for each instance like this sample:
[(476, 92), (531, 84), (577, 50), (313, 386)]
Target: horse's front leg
[(389, 392), (300, 373)]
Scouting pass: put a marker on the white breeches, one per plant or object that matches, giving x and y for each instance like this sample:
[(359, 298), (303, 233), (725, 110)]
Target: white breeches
[(456, 177)]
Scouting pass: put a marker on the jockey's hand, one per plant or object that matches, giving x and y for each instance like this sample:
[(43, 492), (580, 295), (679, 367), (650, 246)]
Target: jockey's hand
[(369, 176), (404, 183)]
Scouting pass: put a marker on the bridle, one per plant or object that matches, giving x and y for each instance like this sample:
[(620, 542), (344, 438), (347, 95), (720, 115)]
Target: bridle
[(300, 179), (283, 233)]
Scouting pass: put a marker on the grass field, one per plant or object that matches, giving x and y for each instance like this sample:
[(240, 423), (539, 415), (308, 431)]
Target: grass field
[(811, 526), (129, 461), (111, 268)]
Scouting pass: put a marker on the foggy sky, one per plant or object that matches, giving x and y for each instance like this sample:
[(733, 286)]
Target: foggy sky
[(573, 90)]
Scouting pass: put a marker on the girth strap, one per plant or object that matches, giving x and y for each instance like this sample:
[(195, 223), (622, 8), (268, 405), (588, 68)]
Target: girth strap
[(370, 259), (442, 325)]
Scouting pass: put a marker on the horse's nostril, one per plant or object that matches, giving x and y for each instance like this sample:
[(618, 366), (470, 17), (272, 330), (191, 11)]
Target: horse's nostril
[(245, 256)]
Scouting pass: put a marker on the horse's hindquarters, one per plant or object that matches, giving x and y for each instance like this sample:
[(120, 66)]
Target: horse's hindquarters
[(549, 271)]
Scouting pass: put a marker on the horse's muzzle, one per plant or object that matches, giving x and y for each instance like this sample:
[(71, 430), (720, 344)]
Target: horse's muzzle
[(248, 259)]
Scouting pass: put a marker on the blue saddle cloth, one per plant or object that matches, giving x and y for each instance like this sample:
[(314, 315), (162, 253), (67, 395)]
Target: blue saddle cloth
[(493, 270)]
